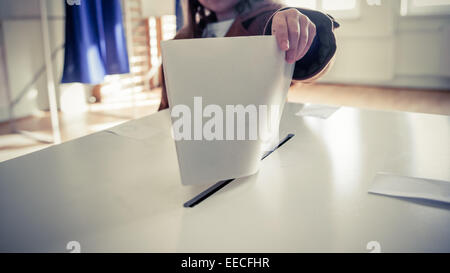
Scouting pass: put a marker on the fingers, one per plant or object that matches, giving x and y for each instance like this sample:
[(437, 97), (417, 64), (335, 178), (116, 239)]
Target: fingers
[(280, 30), (294, 33), (294, 38), (304, 35), (311, 34)]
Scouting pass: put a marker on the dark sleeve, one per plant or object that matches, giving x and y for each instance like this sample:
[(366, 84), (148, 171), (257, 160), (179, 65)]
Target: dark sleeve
[(322, 49)]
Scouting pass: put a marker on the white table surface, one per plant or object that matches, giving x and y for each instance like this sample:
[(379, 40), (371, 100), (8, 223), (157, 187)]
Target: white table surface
[(113, 193)]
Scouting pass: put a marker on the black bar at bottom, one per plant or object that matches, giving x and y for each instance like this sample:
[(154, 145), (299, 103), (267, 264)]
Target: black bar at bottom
[(214, 188)]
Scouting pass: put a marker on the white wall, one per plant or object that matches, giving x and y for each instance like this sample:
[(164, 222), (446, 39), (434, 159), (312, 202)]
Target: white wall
[(158, 7), (23, 43), (383, 48)]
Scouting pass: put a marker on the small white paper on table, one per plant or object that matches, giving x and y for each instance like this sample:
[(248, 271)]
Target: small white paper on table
[(317, 111), (223, 71), (411, 187)]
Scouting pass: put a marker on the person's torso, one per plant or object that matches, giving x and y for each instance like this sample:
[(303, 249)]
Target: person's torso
[(217, 29)]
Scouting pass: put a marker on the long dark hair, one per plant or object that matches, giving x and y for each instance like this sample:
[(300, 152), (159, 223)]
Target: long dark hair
[(198, 16)]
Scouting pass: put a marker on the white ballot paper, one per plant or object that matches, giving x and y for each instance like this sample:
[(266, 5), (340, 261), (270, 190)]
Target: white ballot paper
[(411, 187), (206, 80)]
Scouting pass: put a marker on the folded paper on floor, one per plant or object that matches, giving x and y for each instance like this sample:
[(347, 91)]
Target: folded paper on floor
[(224, 72)]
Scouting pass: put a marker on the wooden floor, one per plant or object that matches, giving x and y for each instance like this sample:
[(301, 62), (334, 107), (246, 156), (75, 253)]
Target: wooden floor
[(397, 99), (103, 115)]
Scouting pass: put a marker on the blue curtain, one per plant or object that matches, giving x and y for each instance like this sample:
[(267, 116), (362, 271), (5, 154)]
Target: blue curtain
[(95, 42), (179, 14)]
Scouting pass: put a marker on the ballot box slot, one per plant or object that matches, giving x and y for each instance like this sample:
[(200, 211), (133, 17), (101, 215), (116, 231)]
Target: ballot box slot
[(219, 185)]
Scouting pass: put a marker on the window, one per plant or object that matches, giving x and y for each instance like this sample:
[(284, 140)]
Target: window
[(309, 4), (338, 4), (425, 7), (344, 9), (338, 8)]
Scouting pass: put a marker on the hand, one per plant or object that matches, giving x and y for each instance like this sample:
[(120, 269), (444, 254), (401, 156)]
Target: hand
[(294, 32)]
